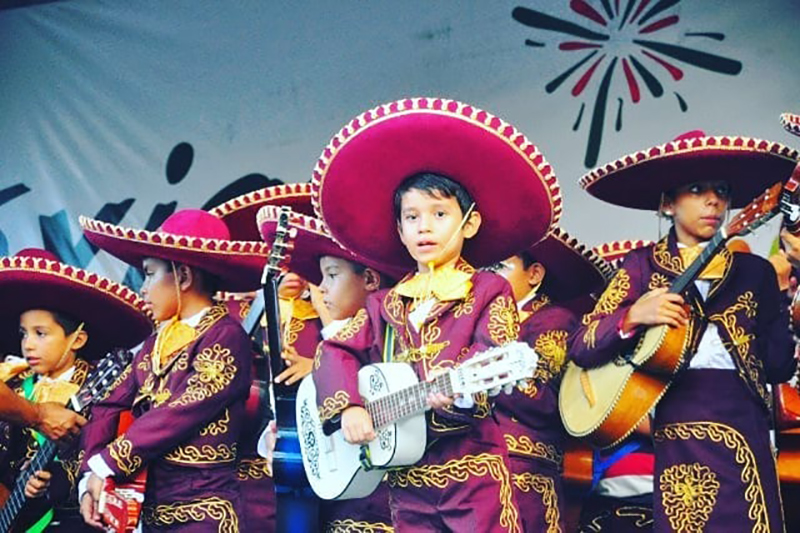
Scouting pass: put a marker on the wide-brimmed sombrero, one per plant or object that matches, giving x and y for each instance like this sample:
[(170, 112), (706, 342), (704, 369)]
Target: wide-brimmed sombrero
[(311, 241), (190, 236), (113, 315), (613, 252), (239, 213), (791, 123), (573, 269), (514, 187), (639, 179)]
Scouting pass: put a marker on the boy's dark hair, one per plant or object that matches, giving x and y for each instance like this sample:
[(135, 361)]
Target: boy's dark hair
[(432, 184), (209, 283), (67, 322), (358, 269), (547, 281)]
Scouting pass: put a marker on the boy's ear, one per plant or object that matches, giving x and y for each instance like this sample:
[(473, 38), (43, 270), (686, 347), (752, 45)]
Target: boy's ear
[(472, 225), (372, 280), (185, 276), (536, 273), (80, 340)]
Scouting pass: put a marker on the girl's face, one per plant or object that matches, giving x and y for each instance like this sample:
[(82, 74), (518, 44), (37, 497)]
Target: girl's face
[(344, 291), (159, 290), (46, 347), (698, 210)]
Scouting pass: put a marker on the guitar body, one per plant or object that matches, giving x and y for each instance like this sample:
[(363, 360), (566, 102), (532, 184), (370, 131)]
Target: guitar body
[(606, 403), (334, 467)]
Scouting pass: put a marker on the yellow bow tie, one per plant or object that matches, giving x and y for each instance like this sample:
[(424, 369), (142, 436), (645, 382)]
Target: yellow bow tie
[(445, 284), (714, 270), (53, 390), (173, 337), (296, 308)]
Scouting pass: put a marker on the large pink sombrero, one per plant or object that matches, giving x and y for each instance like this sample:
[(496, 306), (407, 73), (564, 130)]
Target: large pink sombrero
[(573, 269), (312, 241), (113, 315), (639, 179), (613, 252), (791, 123), (239, 213), (512, 184), (189, 236)]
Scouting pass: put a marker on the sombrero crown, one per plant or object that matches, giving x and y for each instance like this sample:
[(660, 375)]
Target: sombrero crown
[(113, 315), (511, 182), (190, 236), (638, 180)]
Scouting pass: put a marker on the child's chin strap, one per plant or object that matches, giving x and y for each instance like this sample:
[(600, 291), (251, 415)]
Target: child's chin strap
[(432, 264), (74, 336)]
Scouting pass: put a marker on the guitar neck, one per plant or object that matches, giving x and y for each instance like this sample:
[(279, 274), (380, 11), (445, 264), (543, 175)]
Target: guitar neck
[(407, 402), (273, 329), (17, 499), (693, 270)]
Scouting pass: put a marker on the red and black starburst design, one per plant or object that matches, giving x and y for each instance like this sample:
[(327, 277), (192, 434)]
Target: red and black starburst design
[(621, 35)]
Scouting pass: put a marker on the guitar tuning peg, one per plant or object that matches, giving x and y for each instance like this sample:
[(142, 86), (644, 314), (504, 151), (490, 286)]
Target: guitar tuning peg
[(509, 388), (494, 391)]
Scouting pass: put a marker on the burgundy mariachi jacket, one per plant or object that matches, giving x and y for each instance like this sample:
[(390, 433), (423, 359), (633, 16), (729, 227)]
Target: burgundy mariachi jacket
[(745, 305), (188, 416), (529, 416)]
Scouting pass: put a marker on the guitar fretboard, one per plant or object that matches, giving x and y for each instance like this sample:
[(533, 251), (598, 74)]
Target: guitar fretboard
[(406, 402)]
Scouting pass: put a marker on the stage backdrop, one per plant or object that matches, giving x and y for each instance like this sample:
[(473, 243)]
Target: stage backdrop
[(129, 110)]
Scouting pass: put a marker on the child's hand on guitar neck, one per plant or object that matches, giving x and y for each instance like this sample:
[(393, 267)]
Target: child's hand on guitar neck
[(298, 367), (37, 484), (655, 308), (357, 425)]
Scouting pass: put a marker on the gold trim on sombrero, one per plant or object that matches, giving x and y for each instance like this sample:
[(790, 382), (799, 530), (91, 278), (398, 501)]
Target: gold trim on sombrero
[(271, 213), (685, 146), (274, 193), (172, 242), (79, 276), (445, 107), (791, 122), (588, 254), (613, 251)]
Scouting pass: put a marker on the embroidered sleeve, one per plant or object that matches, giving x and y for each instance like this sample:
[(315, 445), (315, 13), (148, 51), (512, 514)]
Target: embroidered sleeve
[(217, 376)]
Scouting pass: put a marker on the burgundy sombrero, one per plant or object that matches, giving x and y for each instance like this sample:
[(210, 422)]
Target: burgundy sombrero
[(512, 184), (113, 315), (639, 179), (573, 269), (189, 236), (791, 123), (312, 241), (613, 252), (239, 213)]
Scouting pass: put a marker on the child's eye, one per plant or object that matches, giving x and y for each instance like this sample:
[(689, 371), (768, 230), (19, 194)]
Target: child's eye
[(441, 214), (695, 189), (411, 217)]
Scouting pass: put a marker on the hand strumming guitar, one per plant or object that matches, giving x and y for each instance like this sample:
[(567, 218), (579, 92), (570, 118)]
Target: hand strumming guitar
[(357, 425), (655, 308)]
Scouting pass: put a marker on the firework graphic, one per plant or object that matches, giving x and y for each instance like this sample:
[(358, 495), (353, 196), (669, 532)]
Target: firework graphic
[(621, 35)]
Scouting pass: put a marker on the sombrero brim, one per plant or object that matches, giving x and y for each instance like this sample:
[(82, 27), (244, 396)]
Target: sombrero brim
[(512, 184), (639, 179), (791, 123), (613, 252), (237, 264), (113, 315), (311, 242), (572, 269), (239, 213)]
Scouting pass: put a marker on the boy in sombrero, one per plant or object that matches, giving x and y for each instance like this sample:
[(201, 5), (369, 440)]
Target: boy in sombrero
[(556, 270), (345, 281), (189, 382), (59, 318), (714, 468), (412, 183)]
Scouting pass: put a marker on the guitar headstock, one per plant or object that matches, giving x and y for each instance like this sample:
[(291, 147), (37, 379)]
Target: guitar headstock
[(790, 202), (756, 213), (281, 245), (498, 368), (103, 376)]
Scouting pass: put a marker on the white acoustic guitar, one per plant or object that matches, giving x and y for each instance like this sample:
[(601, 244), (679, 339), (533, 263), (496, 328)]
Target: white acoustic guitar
[(396, 400)]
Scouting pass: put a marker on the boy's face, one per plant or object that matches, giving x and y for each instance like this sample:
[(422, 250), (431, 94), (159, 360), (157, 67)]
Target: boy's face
[(344, 292), (698, 210), (521, 279), (429, 228), (44, 342), (159, 290), (291, 286)]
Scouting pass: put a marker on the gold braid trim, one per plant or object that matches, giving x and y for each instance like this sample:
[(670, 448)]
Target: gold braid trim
[(658, 281), (523, 445), (688, 493), (552, 349), (121, 452), (614, 294), (292, 330), (205, 454), (465, 307), (545, 487), (665, 259), (214, 508), (503, 320), (219, 426), (459, 470), (257, 468), (352, 327), (214, 370), (348, 525), (333, 404), (590, 337), (733, 440)]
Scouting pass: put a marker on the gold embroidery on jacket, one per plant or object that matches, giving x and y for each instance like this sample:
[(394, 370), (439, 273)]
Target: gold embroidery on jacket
[(523, 445), (552, 349), (459, 471), (219, 426), (503, 320), (590, 336), (688, 493), (215, 508), (743, 455), (256, 468), (214, 370), (466, 306), (658, 281), (333, 404), (545, 487), (665, 259), (609, 301), (348, 525), (205, 454), (352, 327), (292, 330), (121, 452)]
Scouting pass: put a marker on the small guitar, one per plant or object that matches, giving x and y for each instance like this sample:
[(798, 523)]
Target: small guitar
[(94, 388), (396, 401), (606, 403)]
